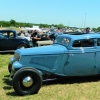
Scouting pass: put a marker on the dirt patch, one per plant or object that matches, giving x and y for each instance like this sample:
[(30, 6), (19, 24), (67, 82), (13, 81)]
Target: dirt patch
[(2, 28)]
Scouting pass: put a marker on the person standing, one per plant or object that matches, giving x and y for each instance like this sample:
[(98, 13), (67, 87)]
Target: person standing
[(27, 34), (52, 36), (59, 29), (35, 37), (87, 30)]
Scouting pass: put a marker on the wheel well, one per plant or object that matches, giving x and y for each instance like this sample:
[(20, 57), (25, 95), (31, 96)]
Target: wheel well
[(22, 44)]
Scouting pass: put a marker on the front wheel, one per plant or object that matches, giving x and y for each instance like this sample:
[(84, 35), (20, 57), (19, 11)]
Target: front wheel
[(27, 81), (9, 67)]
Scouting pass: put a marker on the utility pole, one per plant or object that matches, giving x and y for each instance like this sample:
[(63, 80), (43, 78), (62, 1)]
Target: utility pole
[(85, 20), (82, 23)]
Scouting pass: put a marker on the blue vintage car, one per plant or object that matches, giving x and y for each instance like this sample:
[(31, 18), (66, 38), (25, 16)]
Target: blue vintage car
[(70, 55)]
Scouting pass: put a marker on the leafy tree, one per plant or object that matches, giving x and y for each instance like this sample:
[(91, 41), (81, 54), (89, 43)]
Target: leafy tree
[(61, 25), (12, 22), (98, 28), (94, 29), (3, 23)]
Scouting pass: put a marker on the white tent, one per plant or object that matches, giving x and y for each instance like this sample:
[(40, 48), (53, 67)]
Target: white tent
[(34, 28)]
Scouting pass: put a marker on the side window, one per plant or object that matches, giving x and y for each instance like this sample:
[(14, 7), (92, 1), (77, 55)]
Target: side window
[(5, 34), (77, 43), (98, 42), (1, 35), (83, 43), (11, 35)]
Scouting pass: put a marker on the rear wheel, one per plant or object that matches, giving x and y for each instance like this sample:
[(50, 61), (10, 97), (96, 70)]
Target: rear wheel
[(27, 81), (22, 46)]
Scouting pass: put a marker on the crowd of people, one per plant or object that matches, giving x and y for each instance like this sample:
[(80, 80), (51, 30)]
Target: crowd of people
[(51, 34)]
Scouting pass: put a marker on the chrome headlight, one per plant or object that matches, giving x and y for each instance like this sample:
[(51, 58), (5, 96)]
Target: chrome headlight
[(17, 56)]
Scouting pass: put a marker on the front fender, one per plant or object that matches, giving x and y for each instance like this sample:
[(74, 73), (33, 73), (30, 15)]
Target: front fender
[(12, 59), (17, 65)]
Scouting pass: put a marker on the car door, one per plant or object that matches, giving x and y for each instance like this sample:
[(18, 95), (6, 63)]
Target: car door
[(98, 57), (81, 59), (11, 41), (3, 41)]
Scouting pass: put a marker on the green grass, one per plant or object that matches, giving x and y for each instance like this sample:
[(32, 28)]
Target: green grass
[(85, 88)]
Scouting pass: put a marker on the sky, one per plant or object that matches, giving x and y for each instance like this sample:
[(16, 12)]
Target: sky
[(72, 13)]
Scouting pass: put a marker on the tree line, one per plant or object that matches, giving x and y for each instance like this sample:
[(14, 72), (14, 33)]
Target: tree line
[(13, 23)]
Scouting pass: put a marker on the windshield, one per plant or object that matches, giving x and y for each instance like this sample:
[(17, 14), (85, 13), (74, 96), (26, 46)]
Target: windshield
[(62, 40), (1, 35)]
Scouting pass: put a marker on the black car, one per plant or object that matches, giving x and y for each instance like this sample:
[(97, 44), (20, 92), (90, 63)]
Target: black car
[(9, 41)]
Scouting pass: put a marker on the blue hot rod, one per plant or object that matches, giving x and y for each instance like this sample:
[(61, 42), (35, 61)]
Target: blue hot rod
[(74, 54)]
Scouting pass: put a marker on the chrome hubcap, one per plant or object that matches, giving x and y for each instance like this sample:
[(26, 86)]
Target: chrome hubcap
[(22, 47), (27, 81)]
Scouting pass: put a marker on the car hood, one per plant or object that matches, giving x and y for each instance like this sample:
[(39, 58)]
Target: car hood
[(21, 37), (50, 49)]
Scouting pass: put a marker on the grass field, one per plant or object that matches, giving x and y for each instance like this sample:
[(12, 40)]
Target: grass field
[(84, 88)]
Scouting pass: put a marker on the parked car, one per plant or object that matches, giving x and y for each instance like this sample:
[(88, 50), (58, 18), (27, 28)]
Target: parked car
[(9, 41), (44, 39), (70, 55)]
